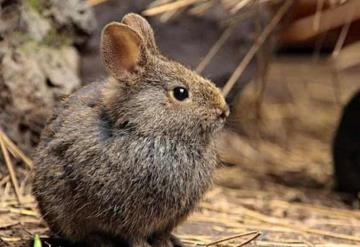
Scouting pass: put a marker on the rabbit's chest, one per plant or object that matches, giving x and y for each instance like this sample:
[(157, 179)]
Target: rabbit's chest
[(175, 186), (168, 173), (177, 173), (158, 171)]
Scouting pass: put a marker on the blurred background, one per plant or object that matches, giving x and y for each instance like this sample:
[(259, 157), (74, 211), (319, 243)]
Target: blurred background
[(288, 69)]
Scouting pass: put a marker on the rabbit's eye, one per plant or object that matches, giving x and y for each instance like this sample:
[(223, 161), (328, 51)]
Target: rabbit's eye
[(181, 93)]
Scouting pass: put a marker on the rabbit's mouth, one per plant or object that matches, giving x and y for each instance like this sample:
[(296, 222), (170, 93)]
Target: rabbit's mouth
[(220, 118), (212, 123), (220, 124), (215, 126)]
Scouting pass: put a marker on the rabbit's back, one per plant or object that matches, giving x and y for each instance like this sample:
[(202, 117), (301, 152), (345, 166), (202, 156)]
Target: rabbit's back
[(55, 182)]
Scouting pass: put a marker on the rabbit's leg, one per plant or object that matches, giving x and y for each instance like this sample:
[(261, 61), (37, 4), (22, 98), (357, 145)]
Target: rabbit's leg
[(165, 240), (102, 240), (175, 241), (96, 240), (139, 242)]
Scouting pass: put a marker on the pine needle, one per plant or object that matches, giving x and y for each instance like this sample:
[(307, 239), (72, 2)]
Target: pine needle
[(257, 44)]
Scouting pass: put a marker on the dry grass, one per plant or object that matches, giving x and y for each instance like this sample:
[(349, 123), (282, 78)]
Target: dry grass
[(278, 193)]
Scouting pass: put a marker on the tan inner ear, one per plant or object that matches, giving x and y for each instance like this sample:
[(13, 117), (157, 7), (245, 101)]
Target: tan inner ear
[(121, 47), (140, 24)]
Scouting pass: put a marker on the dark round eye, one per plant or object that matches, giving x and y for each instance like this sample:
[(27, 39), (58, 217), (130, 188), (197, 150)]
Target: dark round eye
[(181, 93)]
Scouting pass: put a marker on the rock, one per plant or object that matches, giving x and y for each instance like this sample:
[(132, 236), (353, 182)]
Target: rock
[(38, 62), (36, 32), (75, 12)]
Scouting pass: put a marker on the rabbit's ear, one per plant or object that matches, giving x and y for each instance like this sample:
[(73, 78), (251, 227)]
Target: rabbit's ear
[(120, 48), (141, 26)]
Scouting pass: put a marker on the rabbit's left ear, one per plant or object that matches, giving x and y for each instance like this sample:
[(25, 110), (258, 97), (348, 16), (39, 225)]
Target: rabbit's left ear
[(143, 28), (120, 48)]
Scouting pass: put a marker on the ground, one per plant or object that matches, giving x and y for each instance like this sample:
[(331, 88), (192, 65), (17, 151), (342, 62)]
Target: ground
[(275, 187)]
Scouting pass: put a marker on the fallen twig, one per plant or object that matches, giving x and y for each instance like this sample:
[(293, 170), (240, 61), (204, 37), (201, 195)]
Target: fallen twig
[(252, 238), (93, 3), (214, 49), (169, 7), (233, 237)]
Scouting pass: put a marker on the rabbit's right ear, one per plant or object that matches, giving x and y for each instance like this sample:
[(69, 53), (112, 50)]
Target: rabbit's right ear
[(120, 48)]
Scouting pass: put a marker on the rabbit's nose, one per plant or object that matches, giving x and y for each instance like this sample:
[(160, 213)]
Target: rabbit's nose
[(223, 112)]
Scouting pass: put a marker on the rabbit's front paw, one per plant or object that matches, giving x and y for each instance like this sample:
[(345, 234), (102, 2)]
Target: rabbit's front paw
[(167, 241), (176, 242)]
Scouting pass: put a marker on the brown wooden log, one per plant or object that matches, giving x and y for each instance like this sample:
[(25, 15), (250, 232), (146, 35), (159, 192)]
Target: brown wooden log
[(303, 29)]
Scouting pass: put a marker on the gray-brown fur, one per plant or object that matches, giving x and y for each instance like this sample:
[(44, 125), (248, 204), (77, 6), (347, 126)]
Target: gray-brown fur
[(123, 158)]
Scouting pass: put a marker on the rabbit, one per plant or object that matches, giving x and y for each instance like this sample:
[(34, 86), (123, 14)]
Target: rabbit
[(346, 148), (127, 159)]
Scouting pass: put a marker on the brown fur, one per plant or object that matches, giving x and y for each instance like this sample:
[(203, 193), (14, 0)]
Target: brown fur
[(123, 159)]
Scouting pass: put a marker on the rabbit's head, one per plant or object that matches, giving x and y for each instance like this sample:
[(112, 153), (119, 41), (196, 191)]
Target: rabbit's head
[(152, 95)]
